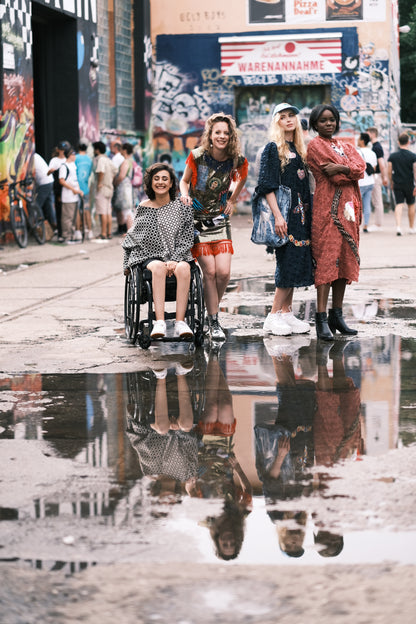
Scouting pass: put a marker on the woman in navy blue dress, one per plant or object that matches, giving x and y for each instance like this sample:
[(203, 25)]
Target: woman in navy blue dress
[(283, 162)]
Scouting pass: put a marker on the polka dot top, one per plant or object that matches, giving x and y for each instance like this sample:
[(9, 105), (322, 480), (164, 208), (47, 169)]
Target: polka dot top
[(166, 233)]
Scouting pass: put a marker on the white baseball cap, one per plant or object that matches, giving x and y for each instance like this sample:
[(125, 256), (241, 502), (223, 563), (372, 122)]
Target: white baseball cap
[(285, 106)]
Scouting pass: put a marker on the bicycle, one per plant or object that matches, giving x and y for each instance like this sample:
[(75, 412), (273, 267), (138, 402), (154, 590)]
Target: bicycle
[(24, 213)]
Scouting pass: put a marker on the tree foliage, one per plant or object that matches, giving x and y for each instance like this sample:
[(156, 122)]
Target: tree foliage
[(407, 15)]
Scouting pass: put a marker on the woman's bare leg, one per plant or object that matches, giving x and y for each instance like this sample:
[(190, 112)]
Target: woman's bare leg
[(183, 280), (282, 301), (158, 269), (322, 294)]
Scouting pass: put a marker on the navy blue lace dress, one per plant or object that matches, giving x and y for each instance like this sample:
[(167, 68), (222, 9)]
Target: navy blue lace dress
[(294, 260)]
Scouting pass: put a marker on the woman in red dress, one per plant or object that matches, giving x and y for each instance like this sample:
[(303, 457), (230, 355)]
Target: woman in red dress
[(336, 218)]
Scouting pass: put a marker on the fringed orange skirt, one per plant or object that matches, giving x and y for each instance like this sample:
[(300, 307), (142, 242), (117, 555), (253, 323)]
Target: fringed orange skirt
[(212, 248)]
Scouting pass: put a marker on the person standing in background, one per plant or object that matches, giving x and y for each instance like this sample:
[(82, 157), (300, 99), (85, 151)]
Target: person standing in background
[(44, 191), (70, 191), (58, 159), (117, 159), (83, 164), (123, 190), (366, 183), (104, 174), (380, 178), (402, 175)]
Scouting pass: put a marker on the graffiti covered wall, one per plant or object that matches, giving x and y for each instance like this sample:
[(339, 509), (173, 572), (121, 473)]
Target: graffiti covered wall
[(16, 122), (190, 85)]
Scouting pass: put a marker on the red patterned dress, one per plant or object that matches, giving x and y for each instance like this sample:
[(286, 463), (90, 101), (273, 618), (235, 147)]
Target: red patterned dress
[(337, 211)]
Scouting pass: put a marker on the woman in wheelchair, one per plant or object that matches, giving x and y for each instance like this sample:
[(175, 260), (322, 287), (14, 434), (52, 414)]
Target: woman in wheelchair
[(160, 240)]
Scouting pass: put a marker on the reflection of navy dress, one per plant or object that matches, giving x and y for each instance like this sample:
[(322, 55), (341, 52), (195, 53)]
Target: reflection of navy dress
[(293, 260)]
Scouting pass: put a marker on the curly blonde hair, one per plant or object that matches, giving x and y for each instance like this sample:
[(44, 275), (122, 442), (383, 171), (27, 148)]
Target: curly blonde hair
[(233, 147), (277, 134)]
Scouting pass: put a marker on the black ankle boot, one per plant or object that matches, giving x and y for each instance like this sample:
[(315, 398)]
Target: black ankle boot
[(322, 329), (336, 322)]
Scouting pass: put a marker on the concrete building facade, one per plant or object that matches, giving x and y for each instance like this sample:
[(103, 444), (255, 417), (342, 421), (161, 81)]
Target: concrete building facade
[(71, 69)]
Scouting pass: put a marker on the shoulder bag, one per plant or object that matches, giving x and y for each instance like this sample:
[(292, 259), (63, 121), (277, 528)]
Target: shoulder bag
[(263, 232)]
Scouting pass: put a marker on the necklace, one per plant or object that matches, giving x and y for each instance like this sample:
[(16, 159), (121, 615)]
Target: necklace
[(337, 148)]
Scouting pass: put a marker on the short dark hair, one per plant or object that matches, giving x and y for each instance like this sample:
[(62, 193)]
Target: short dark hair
[(127, 147), (64, 145), (373, 130), (151, 172), (365, 138), (317, 112), (82, 147), (100, 146), (403, 138)]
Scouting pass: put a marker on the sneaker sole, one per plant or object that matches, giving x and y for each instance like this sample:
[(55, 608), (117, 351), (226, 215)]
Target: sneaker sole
[(279, 333), (301, 331)]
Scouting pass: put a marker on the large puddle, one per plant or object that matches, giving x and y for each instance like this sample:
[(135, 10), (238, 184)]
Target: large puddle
[(204, 457)]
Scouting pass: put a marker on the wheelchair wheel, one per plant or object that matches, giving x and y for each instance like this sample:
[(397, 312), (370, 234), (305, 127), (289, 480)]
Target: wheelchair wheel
[(132, 291), (144, 341)]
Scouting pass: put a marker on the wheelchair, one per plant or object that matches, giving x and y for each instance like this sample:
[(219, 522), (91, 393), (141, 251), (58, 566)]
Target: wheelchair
[(138, 297)]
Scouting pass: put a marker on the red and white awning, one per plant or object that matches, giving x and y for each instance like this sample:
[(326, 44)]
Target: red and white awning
[(319, 53)]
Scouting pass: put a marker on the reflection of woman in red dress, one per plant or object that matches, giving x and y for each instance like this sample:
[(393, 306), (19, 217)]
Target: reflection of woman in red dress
[(337, 421), (336, 218)]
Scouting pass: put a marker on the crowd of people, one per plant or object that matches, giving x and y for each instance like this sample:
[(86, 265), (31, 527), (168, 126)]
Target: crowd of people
[(106, 185)]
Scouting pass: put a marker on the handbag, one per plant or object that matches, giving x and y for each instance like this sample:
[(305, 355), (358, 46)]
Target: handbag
[(263, 232)]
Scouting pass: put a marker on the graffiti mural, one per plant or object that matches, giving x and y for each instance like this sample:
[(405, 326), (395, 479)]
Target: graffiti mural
[(87, 57), (16, 122), (191, 86)]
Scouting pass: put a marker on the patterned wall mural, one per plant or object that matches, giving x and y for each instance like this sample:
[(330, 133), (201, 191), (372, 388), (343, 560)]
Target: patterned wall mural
[(16, 121), (190, 86)]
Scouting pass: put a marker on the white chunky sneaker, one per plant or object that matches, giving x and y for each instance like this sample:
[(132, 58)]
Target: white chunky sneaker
[(159, 329), (275, 324), (182, 329), (77, 235), (297, 326)]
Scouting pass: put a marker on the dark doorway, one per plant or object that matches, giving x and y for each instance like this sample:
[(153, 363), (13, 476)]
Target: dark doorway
[(55, 78)]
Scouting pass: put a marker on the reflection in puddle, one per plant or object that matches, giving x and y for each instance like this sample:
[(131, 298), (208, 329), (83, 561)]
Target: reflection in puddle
[(205, 457), (258, 302)]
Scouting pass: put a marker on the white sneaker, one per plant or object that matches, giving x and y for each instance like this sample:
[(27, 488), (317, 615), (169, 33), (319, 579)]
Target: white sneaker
[(297, 326), (159, 329), (77, 235), (161, 373), (89, 235), (275, 324), (398, 232), (182, 330), (285, 346), (412, 230), (183, 370)]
